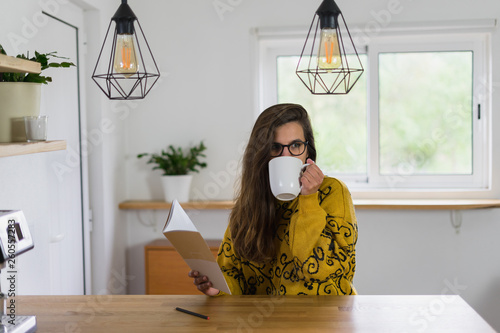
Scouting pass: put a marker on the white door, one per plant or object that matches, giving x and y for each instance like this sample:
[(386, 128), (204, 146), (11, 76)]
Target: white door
[(61, 102)]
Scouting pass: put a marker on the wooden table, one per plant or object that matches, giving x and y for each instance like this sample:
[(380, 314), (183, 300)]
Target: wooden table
[(154, 313)]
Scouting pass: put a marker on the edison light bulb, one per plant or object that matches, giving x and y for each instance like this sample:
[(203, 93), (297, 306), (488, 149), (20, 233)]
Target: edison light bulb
[(329, 51), (125, 58)]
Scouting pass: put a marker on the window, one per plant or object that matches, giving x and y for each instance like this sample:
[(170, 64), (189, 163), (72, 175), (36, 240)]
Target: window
[(416, 119), (426, 114)]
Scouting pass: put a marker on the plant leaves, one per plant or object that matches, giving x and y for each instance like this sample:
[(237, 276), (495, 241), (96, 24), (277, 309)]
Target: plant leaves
[(173, 161), (43, 59)]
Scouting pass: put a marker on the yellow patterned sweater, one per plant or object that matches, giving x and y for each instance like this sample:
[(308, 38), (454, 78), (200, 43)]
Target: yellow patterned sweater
[(317, 234)]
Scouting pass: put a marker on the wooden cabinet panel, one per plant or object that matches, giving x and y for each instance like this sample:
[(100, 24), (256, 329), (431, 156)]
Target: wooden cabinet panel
[(166, 271)]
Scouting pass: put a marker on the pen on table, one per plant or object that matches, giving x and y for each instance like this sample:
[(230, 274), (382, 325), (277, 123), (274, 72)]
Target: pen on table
[(192, 313)]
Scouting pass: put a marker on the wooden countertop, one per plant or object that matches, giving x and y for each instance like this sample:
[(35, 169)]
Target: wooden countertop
[(163, 242), (389, 204), (155, 205), (139, 313)]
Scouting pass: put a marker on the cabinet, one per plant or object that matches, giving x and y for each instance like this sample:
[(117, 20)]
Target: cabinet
[(166, 271)]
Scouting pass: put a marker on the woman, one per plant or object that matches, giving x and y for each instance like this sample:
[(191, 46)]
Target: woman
[(304, 246)]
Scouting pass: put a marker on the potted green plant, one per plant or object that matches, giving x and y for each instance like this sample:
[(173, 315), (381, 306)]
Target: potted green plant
[(20, 94), (176, 166)]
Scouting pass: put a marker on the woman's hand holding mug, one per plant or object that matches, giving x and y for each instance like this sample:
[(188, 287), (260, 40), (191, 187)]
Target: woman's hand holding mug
[(311, 178)]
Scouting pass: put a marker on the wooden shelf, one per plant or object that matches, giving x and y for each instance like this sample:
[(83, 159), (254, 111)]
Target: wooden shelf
[(403, 204), (426, 204), (16, 65), (154, 205), (23, 148)]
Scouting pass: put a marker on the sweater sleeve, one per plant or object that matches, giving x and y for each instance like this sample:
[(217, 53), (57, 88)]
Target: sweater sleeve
[(323, 234)]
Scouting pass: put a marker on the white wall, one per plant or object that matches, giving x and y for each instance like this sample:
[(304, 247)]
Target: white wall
[(414, 252), (207, 92), (104, 145)]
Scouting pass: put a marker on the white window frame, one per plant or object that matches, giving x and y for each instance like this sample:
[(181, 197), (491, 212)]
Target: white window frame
[(431, 43), (468, 35)]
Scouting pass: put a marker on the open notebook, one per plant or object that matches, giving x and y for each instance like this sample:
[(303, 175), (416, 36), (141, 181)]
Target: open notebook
[(181, 232)]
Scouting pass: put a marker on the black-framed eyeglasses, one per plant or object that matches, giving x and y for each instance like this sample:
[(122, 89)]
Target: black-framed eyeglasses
[(295, 148)]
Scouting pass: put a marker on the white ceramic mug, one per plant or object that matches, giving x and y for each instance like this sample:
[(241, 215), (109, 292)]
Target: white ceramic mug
[(284, 177)]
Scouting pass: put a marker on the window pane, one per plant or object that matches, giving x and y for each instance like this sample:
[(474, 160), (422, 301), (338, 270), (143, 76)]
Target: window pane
[(339, 121), (425, 110)]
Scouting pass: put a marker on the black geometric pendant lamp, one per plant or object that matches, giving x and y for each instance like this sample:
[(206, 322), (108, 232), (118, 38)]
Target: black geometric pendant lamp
[(127, 66), (329, 63)]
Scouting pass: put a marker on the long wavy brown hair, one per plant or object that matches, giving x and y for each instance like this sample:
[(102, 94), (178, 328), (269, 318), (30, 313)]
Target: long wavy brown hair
[(253, 220)]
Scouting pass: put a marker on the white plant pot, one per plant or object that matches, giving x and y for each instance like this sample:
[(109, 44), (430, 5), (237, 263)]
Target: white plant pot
[(17, 100), (177, 187)]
